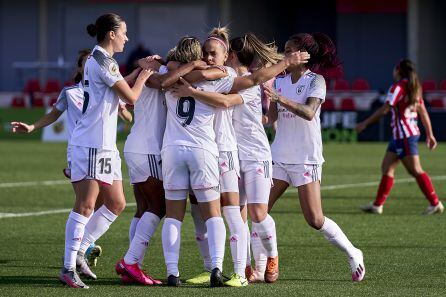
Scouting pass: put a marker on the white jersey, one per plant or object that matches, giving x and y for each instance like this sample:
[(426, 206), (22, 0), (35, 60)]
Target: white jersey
[(71, 99), (298, 141), (224, 130), (146, 136), (252, 141), (190, 122), (97, 126)]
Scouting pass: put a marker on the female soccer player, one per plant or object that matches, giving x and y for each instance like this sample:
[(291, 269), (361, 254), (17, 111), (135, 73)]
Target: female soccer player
[(406, 103), (71, 100), (96, 165), (256, 163), (297, 147)]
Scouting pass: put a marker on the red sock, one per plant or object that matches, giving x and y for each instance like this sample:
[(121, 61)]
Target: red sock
[(384, 189), (425, 184)]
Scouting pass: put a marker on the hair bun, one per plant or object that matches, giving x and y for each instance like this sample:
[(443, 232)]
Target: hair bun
[(92, 30)]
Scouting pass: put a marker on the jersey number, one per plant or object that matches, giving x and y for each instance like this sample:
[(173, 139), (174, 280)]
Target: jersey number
[(186, 109), (86, 100), (105, 164)]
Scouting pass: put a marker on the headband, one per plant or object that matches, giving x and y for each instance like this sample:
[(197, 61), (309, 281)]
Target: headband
[(219, 40)]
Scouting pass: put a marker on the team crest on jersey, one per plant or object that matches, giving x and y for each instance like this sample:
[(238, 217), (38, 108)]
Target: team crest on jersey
[(113, 68), (300, 89)]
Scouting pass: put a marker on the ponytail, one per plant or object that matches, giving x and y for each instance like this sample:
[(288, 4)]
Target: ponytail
[(250, 48), (406, 69)]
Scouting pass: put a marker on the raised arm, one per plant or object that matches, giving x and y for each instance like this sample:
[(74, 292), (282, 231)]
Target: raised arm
[(48, 119), (425, 119), (265, 74), (375, 117), (131, 95), (210, 98)]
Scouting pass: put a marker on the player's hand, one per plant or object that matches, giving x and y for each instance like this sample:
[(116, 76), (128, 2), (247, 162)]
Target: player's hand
[(297, 58), (360, 127), (144, 74), (145, 63), (271, 93), (19, 127), (431, 142), (182, 90), (133, 75)]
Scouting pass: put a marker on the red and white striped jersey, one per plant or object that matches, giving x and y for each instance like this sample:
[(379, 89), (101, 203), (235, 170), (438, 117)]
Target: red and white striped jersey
[(404, 116)]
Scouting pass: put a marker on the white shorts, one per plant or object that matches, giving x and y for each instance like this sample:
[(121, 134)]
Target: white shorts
[(297, 174), (143, 166), (255, 182), (229, 166), (92, 163), (187, 167)]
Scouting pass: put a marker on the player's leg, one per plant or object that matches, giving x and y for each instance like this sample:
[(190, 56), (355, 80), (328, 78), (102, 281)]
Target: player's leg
[(413, 167), (388, 166), (311, 205), (258, 182)]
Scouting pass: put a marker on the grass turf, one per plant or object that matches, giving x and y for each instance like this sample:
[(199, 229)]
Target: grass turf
[(404, 251)]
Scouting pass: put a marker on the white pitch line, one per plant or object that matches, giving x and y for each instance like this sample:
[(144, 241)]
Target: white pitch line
[(57, 182), (35, 183), (4, 215)]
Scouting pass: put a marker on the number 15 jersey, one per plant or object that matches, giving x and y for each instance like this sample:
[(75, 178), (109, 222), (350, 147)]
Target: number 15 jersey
[(190, 122)]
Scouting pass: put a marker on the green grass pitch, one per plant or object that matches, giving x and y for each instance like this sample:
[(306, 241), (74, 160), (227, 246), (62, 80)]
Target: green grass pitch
[(404, 251)]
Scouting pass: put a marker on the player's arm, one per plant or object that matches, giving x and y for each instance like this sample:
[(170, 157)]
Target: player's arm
[(124, 114), (130, 79), (425, 119), (174, 75), (265, 74), (306, 111), (211, 73), (375, 117), (272, 114), (131, 95), (210, 98), (48, 119)]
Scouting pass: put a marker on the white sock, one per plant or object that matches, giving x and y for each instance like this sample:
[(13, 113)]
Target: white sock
[(216, 238), (74, 232), (237, 240), (171, 238), (335, 236), (259, 252), (266, 230), (248, 244), (201, 236), (132, 228), (144, 231), (96, 227)]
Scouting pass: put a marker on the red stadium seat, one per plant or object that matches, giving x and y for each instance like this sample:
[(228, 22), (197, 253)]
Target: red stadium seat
[(68, 83), (360, 84), (328, 105), (37, 101), (429, 85), (18, 101), (443, 85), (52, 101), (52, 86), (437, 103), (341, 85), (348, 104), (32, 86)]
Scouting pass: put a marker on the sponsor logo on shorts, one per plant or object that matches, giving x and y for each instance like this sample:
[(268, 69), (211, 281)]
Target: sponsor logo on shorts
[(307, 174)]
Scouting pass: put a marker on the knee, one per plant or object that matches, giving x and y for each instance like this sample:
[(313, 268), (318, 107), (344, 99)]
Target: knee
[(315, 221), (257, 215), (415, 171), (85, 209), (117, 206)]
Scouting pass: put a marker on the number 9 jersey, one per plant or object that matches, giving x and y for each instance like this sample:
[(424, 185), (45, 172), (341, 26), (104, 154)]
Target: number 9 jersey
[(97, 126), (191, 122)]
